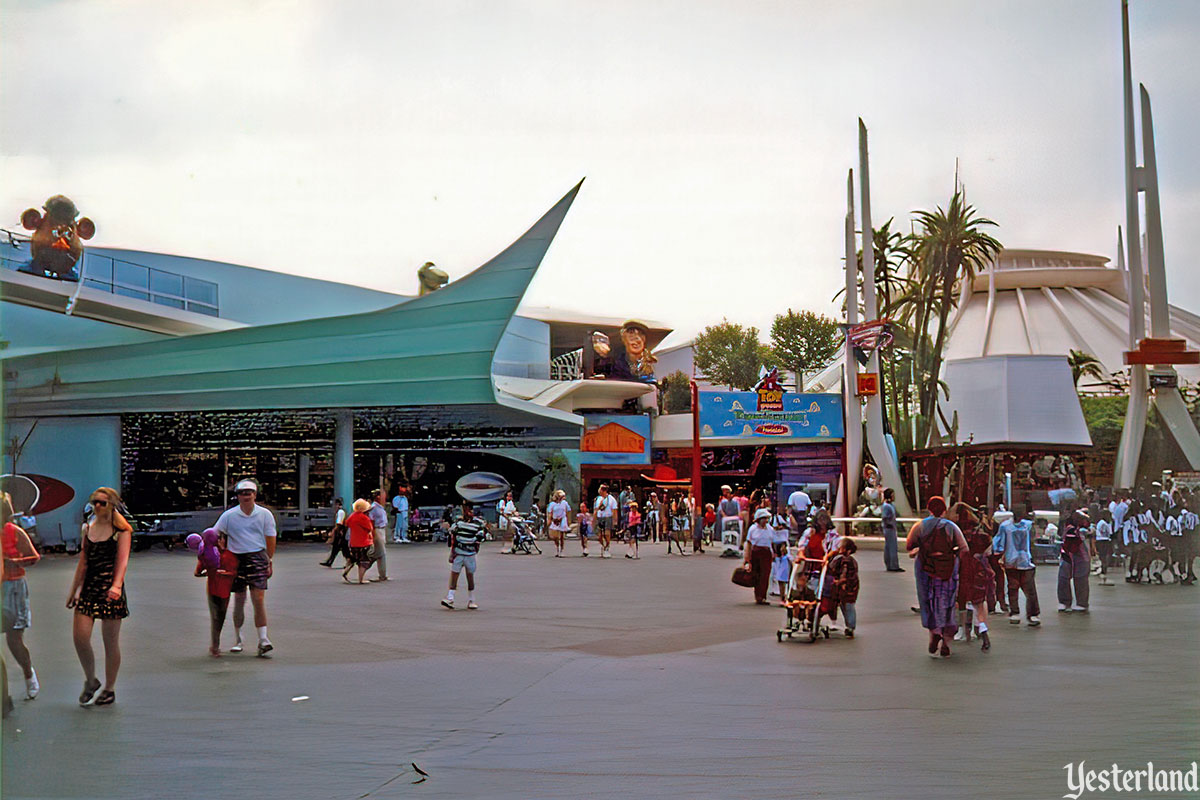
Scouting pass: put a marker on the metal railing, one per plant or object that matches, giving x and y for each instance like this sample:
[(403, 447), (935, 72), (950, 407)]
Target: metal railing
[(129, 279), (567, 367)]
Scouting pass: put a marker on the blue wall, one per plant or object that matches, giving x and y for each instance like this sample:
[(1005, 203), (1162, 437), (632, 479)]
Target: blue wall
[(33, 330), (259, 296), (524, 350), (82, 452)]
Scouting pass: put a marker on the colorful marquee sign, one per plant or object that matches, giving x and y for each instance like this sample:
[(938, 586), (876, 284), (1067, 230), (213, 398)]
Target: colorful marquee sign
[(770, 414)]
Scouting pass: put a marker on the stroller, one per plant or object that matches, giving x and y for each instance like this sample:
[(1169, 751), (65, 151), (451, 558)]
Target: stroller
[(803, 602), (524, 539)]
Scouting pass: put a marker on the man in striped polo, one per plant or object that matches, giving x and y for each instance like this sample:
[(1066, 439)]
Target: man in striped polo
[(465, 538)]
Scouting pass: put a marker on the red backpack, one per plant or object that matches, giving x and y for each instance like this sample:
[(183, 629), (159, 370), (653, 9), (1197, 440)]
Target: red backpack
[(938, 548)]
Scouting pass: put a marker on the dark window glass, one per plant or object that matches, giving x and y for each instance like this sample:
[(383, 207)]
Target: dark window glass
[(131, 293), (166, 282), (200, 308), (200, 291), (168, 301), (101, 285), (132, 275), (98, 267)]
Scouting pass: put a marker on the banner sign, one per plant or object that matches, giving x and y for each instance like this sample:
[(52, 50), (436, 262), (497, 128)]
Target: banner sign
[(770, 414), (615, 439)]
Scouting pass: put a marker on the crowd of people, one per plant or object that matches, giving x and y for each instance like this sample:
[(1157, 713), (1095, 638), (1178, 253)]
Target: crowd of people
[(968, 564)]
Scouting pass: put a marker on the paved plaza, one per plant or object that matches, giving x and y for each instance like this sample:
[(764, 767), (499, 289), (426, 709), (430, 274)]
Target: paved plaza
[(581, 677)]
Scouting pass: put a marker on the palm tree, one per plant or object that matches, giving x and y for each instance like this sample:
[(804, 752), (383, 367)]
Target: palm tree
[(1085, 364), (949, 248)]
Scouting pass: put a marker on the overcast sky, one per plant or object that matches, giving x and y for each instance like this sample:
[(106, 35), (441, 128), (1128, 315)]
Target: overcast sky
[(356, 140)]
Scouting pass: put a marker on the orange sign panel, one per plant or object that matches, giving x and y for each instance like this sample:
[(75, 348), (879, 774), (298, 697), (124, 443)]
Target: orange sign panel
[(868, 383), (612, 438)]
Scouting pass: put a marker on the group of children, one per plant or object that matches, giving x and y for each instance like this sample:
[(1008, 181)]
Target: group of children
[(1147, 529), (796, 570)]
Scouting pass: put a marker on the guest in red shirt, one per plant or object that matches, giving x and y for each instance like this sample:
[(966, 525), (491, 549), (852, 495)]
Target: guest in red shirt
[(220, 584), (19, 553), (362, 539)]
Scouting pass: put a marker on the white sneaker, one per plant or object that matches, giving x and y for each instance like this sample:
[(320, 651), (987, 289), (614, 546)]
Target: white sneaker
[(961, 636), (447, 602), (472, 605), (1062, 608), (32, 687), (1034, 621), (1082, 609)]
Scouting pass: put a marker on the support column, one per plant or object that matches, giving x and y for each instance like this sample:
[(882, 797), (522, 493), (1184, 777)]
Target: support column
[(343, 457), (853, 409), (1133, 433), (304, 463), (881, 451), (1168, 400)]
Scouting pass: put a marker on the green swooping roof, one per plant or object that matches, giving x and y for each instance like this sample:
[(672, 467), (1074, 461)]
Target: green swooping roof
[(432, 350)]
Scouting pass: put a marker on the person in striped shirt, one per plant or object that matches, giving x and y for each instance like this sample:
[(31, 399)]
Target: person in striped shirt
[(465, 538)]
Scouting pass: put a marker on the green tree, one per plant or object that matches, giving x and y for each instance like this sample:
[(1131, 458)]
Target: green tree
[(728, 354), (556, 473), (1085, 364), (804, 341), (676, 393), (947, 250)]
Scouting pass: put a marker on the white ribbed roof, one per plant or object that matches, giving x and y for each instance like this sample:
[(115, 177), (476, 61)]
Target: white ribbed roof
[(1048, 303)]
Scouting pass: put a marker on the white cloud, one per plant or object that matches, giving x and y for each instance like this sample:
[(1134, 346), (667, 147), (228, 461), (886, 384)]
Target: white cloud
[(357, 140)]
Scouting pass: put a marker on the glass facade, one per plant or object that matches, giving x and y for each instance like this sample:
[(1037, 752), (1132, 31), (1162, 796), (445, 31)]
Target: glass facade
[(147, 283)]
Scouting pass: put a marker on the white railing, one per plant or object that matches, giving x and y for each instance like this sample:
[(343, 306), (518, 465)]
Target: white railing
[(567, 367)]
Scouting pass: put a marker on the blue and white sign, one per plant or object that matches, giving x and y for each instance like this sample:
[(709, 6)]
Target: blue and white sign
[(768, 415)]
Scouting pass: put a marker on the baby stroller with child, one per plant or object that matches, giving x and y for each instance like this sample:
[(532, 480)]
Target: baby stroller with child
[(803, 603), (524, 540)]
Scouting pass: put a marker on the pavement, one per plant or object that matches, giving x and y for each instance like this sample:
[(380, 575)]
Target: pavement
[(582, 677)]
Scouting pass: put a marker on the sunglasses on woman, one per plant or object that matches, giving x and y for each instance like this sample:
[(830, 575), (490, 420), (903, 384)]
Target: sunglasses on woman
[(100, 503)]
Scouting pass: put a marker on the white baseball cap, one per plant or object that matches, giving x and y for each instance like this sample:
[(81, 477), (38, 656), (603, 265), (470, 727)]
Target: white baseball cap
[(762, 513), (246, 484)]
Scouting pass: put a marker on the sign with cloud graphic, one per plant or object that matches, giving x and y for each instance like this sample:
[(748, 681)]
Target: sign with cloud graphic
[(776, 416)]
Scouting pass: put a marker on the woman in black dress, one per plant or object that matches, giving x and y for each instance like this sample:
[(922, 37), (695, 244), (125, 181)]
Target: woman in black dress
[(98, 593)]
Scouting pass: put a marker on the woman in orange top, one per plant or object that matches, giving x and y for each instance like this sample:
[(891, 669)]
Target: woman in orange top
[(98, 593), (19, 553)]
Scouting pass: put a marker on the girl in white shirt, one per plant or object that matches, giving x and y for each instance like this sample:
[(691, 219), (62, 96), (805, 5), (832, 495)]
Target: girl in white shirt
[(1104, 545)]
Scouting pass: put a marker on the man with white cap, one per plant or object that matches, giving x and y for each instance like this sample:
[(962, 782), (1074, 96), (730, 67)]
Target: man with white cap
[(250, 531)]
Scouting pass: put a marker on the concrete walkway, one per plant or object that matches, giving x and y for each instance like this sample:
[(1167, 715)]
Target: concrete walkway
[(582, 677)]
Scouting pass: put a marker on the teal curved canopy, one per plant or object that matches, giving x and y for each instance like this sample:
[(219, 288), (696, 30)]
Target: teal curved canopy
[(431, 350)]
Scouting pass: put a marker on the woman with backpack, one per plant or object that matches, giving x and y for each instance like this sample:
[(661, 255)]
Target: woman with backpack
[(937, 544)]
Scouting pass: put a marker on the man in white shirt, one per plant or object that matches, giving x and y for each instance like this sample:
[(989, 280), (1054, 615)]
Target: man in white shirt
[(799, 503), (605, 507), (1117, 507), (337, 536), (250, 531)]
